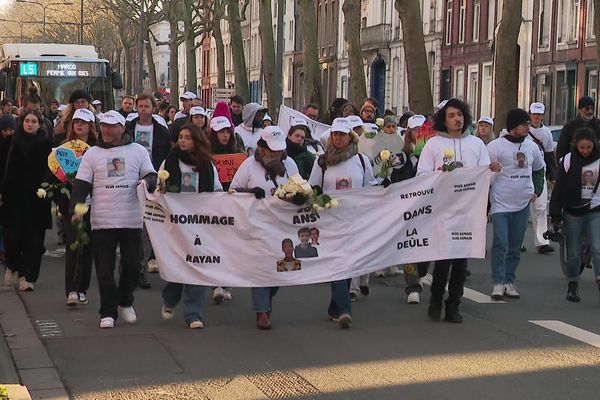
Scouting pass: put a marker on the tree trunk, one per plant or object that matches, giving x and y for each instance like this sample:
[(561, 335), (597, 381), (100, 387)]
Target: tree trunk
[(190, 48), (351, 9), (272, 87), (279, 50), (237, 49), (597, 34), (151, 65), (419, 81), (128, 71), (313, 87), (506, 58), (220, 47), (174, 61)]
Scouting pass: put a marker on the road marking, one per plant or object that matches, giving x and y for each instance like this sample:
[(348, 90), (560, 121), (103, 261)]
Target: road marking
[(571, 331), (49, 328), (479, 297)]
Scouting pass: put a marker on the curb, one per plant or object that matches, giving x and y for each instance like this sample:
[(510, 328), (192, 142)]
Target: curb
[(27, 353), (17, 392)]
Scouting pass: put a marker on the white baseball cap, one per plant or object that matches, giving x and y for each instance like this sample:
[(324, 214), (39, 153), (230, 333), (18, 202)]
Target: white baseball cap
[(341, 125), (415, 121), (197, 111), (537, 108), (298, 121), (131, 116), (274, 137), (441, 105), (84, 114), (487, 120), (354, 121), (219, 123), (96, 102), (267, 117), (62, 107), (112, 117), (188, 96)]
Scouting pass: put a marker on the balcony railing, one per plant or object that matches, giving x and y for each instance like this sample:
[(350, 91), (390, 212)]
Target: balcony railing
[(376, 36)]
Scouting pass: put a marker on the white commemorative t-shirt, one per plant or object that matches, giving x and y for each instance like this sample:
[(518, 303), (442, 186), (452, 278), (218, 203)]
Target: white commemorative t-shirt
[(249, 136), (252, 174), (469, 151), (189, 178), (544, 136), (513, 187), (590, 173), (348, 174), (144, 135), (114, 174)]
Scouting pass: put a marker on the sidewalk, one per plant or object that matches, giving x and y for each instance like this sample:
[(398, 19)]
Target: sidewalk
[(23, 358)]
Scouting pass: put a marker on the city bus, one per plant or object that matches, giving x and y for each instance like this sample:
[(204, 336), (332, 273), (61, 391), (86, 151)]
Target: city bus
[(56, 70)]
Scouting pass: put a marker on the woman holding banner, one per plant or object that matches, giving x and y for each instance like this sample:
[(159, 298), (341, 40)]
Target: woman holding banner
[(78, 269), (261, 174), (188, 164), (25, 215), (341, 167)]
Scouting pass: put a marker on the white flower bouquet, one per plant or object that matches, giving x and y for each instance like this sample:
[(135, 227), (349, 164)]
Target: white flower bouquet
[(298, 191)]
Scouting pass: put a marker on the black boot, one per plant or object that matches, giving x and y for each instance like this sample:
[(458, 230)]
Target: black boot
[(143, 283), (435, 309), (452, 314), (573, 292)]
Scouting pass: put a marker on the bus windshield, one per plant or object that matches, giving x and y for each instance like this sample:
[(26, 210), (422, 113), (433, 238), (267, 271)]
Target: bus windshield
[(60, 88)]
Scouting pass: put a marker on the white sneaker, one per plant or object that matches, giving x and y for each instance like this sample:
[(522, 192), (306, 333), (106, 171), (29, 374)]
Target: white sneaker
[(107, 322), (394, 270), (426, 280), (497, 292), (197, 324), (218, 295), (152, 266), (227, 294), (82, 298), (167, 313), (380, 274), (510, 290), (72, 299), (128, 314), (8, 277), (25, 286), (413, 298)]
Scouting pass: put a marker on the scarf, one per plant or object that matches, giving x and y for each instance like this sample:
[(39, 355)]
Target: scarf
[(205, 173), (514, 139), (293, 149), (273, 166), (335, 156)]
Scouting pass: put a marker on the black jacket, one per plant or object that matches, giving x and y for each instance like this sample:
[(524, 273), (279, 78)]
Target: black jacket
[(161, 141), (567, 135)]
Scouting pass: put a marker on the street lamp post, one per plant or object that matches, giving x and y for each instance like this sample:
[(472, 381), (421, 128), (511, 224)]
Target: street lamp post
[(44, 7)]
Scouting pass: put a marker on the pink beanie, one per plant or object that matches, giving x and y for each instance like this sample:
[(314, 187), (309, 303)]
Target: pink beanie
[(222, 110)]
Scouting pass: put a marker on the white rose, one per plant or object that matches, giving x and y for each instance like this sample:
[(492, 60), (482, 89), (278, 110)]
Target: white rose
[(41, 193), (334, 203)]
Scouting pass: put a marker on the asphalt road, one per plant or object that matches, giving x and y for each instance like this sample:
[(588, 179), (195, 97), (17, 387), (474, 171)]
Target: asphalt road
[(392, 351)]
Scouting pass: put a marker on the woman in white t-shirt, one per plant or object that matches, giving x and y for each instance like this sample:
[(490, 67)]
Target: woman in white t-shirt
[(576, 201), (190, 170), (343, 167), (261, 174)]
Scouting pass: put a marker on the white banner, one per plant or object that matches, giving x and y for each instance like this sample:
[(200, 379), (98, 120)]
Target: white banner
[(286, 114), (221, 239)]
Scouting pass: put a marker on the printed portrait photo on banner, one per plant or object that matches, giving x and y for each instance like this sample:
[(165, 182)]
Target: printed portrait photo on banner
[(288, 263), (188, 182), (521, 160), (343, 183), (314, 236), (144, 138), (304, 249), (115, 166)]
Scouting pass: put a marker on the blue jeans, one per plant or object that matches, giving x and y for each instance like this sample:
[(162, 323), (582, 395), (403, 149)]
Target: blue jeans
[(193, 296), (340, 298), (576, 226), (509, 231), (262, 298)]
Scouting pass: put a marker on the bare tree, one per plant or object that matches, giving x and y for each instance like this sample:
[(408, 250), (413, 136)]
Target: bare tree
[(272, 86), (352, 26), (235, 17), (506, 78), (419, 86), (597, 31), (313, 87)]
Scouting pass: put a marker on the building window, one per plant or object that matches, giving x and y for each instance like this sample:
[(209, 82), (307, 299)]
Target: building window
[(472, 89), (592, 84), (491, 19), (449, 6), (574, 23), (589, 23), (459, 83), (432, 16), (395, 82), (431, 63), (476, 19), (545, 21), (461, 21), (486, 91)]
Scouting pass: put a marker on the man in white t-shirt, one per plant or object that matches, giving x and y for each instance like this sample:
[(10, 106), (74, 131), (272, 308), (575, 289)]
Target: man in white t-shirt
[(542, 137), (116, 215)]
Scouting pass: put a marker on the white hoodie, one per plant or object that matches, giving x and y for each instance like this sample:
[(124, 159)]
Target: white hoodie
[(468, 150)]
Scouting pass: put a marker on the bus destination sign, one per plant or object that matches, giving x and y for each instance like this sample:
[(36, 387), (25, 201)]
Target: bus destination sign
[(62, 69)]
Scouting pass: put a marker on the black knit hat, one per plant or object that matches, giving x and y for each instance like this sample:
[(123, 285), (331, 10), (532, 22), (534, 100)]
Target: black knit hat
[(80, 94), (585, 101), (516, 117), (7, 121)]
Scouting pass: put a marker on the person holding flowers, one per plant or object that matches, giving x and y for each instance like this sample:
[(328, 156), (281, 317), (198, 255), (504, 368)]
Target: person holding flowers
[(191, 155), (452, 147), (342, 162), (25, 214), (262, 174)]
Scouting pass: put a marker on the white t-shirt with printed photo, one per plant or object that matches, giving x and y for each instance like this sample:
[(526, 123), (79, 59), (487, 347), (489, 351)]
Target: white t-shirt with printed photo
[(190, 179), (348, 174), (590, 174), (544, 136), (144, 135), (114, 174), (252, 174)]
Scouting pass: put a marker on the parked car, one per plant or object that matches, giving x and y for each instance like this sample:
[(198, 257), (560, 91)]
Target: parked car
[(555, 129)]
